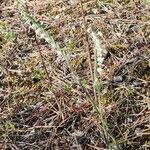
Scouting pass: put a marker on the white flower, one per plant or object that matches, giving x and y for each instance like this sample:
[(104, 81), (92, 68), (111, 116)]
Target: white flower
[(100, 60), (99, 70)]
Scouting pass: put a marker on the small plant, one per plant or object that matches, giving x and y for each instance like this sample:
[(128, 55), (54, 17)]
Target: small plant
[(7, 38), (6, 35), (37, 75), (8, 126), (97, 105)]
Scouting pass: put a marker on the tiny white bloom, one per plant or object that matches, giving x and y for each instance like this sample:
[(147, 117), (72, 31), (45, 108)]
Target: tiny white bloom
[(100, 60), (99, 70)]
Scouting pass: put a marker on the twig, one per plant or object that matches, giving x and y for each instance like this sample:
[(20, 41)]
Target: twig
[(42, 59), (86, 39)]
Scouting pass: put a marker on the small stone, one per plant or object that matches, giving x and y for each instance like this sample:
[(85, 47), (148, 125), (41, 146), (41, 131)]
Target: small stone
[(138, 132), (117, 79), (136, 84)]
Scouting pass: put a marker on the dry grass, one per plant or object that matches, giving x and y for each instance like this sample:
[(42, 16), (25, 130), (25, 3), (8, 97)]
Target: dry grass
[(38, 114)]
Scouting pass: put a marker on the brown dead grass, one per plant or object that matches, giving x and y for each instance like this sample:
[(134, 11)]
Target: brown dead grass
[(37, 115)]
